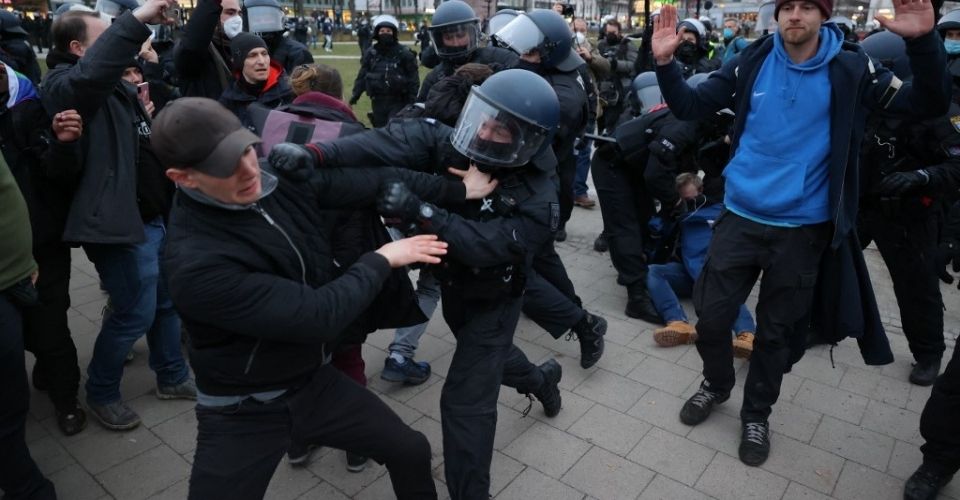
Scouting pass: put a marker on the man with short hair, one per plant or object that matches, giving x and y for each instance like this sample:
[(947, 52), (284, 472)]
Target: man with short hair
[(801, 99), (202, 57), (733, 41), (118, 209), (621, 53)]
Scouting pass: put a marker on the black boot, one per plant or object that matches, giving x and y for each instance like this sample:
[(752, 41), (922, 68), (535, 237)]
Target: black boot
[(925, 483), (924, 372), (590, 331), (600, 244), (549, 392), (640, 306)]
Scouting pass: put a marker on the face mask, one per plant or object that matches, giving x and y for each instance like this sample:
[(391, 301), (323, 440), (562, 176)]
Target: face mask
[(579, 38), (687, 52), (387, 40), (233, 26), (727, 33), (491, 149), (613, 38), (952, 46)]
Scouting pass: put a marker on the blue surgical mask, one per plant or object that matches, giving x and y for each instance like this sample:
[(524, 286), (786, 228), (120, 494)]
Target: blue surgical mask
[(952, 46), (727, 33)]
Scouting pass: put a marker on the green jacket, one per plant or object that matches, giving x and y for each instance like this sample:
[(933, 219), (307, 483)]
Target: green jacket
[(16, 246)]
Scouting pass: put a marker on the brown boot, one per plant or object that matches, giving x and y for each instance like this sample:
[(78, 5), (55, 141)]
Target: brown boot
[(675, 333), (743, 345)]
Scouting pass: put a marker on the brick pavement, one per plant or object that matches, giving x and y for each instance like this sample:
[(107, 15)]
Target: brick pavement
[(846, 432)]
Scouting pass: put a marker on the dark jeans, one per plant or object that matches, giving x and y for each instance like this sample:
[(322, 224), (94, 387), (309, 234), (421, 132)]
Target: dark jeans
[(938, 423), (550, 299), (239, 446), (45, 330), (384, 108), (908, 245), (566, 171), (789, 259), (19, 476), (626, 209), (484, 358)]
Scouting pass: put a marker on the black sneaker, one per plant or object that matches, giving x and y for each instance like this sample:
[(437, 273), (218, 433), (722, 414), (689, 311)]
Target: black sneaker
[(356, 463), (299, 454), (601, 244), (755, 443), (699, 406), (549, 393), (71, 419), (590, 331), (923, 373), (925, 483), (640, 306)]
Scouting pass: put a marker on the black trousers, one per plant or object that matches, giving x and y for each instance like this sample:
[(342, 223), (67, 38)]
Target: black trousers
[(384, 107), (567, 173), (741, 251), (938, 422), (46, 333), (908, 245), (239, 446), (19, 476), (550, 299), (626, 210), (485, 357)]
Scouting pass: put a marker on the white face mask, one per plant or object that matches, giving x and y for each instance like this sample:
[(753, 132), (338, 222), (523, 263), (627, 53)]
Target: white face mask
[(233, 26), (580, 38)]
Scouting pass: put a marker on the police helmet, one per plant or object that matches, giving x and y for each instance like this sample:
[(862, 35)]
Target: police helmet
[(10, 24), (647, 91), (385, 21), (114, 8), (890, 50), (697, 79), (455, 31), (500, 19), (501, 126), (696, 27), (707, 23), (766, 17), (949, 21), (263, 16), (546, 32)]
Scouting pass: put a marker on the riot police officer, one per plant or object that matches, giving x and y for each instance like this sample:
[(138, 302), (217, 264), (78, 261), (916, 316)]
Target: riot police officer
[(909, 167), (492, 248), (694, 53), (264, 18), (388, 72), (455, 36)]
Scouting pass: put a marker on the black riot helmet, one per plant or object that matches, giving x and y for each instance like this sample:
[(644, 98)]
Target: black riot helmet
[(455, 31), (546, 32), (501, 126), (646, 91), (891, 51), (262, 16)]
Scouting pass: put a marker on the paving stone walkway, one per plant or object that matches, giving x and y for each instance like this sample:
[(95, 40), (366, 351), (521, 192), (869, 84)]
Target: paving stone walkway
[(841, 430)]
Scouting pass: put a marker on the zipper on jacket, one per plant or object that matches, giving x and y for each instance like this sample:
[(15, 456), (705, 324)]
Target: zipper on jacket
[(303, 271)]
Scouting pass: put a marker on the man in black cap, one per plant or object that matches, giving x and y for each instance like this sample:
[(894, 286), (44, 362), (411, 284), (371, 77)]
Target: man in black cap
[(251, 271), (257, 78), (17, 51)]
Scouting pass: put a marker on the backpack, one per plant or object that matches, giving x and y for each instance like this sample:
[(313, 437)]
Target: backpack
[(286, 125)]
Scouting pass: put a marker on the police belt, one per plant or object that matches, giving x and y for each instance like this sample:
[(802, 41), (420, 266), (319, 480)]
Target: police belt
[(482, 283)]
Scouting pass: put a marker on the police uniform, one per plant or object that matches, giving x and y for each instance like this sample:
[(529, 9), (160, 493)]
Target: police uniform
[(389, 75), (493, 56)]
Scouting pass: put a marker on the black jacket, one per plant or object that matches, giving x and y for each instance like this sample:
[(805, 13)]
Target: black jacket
[(22, 58), (276, 92), (493, 56), (202, 61), (257, 286), (290, 54), (104, 208), (387, 72)]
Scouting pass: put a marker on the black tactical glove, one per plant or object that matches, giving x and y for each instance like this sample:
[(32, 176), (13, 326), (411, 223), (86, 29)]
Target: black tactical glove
[(293, 161), (396, 201), (900, 182), (947, 252)]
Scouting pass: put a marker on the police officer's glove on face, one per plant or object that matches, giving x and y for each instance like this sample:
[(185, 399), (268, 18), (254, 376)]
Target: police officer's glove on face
[(396, 201), (947, 252), (900, 182), (293, 161)]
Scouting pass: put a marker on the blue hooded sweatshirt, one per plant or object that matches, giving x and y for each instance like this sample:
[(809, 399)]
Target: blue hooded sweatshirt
[(778, 174)]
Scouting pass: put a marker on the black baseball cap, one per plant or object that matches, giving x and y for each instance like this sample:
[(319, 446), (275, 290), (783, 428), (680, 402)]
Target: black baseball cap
[(199, 133)]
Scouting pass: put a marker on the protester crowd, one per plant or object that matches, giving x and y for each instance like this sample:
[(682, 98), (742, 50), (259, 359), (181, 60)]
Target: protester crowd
[(232, 202)]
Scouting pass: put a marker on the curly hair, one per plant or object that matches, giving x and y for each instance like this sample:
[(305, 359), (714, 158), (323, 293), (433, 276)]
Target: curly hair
[(317, 78)]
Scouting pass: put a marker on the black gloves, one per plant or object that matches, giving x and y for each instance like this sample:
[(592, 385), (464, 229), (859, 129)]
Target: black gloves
[(396, 201), (947, 252), (900, 182), (293, 161)]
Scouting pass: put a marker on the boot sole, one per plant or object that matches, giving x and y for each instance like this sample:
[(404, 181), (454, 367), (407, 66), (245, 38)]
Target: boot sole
[(671, 338), (403, 378), (167, 397)]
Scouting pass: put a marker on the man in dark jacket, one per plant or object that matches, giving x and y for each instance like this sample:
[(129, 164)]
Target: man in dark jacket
[(388, 73), (15, 44), (792, 183), (258, 78), (252, 270), (118, 209), (622, 54), (202, 57)]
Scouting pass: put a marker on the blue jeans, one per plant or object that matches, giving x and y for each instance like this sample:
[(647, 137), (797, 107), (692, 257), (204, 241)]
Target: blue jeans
[(139, 304), (406, 340), (668, 281), (583, 168)]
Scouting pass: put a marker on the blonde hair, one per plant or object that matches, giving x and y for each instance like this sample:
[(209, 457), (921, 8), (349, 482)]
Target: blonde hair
[(317, 78), (689, 178)]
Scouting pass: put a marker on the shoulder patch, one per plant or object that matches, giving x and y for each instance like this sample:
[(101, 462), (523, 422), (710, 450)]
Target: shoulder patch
[(955, 121)]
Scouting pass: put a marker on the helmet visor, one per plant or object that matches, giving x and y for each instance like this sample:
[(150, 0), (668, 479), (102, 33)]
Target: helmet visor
[(521, 35), (264, 19), (489, 135), (455, 40), (649, 97), (498, 21)]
